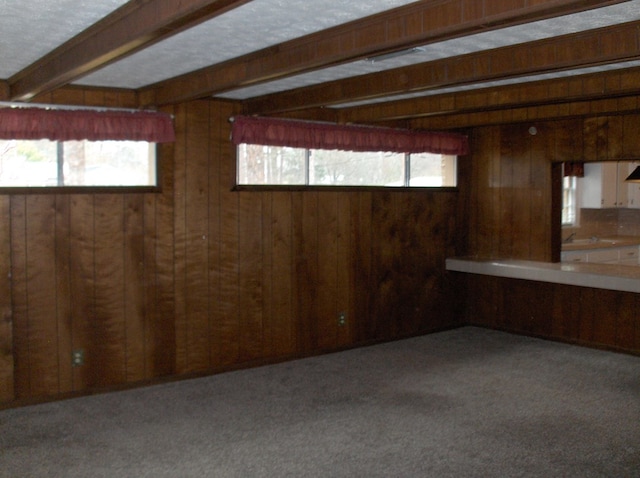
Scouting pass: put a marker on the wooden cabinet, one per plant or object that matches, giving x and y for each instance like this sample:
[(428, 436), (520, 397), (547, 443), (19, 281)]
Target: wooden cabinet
[(603, 185)]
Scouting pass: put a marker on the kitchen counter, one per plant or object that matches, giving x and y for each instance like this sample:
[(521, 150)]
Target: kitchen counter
[(610, 250), (608, 242), (600, 276)]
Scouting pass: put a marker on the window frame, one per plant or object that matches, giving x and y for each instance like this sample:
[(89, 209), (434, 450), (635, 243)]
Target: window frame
[(573, 190), (406, 186), (95, 189)]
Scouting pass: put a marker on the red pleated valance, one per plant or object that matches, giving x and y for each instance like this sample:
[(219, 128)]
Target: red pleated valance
[(304, 134), (574, 168), (74, 124)]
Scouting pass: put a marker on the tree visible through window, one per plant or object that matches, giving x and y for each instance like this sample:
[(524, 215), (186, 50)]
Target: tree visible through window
[(275, 165), (44, 163)]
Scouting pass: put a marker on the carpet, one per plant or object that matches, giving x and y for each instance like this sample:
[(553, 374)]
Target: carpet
[(468, 402)]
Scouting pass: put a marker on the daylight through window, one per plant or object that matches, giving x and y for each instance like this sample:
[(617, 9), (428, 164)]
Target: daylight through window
[(45, 163), (569, 200), (276, 165)]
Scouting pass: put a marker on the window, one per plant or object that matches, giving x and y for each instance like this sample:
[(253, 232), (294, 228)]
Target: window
[(569, 201), (277, 165), (45, 163)]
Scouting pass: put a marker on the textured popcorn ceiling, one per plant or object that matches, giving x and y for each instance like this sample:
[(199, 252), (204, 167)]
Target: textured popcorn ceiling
[(31, 28), (588, 20), (251, 27)]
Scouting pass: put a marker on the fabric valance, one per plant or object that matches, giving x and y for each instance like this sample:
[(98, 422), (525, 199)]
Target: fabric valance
[(79, 124), (574, 168), (315, 135)]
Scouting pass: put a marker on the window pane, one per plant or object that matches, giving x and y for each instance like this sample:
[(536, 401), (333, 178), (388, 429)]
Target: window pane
[(259, 164), (432, 170), (108, 163), (346, 168), (569, 207), (28, 163), (44, 163)]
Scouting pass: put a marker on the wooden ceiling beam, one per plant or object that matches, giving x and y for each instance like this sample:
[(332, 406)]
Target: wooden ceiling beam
[(552, 93), (4, 90), (415, 24), (134, 26), (578, 50), (550, 112)]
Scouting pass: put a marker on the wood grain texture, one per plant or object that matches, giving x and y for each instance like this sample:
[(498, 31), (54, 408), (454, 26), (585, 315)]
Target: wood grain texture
[(6, 319), (511, 203), (130, 279), (107, 324), (19, 293), (590, 317)]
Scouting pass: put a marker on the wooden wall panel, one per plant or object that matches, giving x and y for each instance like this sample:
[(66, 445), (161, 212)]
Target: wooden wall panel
[(159, 272), (281, 336), (16, 223), (362, 235), (200, 278), (327, 305), (193, 240), (107, 324), (135, 303), (41, 294), (180, 239), (306, 268), (591, 317), (82, 288), (63, 293), (6, 318), (345, 281), (251, 299), (520, 188), (227, 343), (511, 192)]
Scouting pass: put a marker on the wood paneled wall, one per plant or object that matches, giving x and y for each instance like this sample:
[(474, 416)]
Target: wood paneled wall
[(510, 201), (512, 215), (591, 317), (200, 278)]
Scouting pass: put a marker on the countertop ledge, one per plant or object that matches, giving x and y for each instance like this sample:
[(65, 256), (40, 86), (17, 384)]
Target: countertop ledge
[(599, 276)]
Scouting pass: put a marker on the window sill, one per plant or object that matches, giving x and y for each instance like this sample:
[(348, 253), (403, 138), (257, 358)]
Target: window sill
[(80, 190), (266, 188)]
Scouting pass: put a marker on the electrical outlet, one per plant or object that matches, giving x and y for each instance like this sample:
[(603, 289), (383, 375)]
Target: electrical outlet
[(77, 358), (342, 319)]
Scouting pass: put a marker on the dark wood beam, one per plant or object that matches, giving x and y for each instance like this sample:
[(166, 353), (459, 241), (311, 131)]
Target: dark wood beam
[(589, 48), (530, 114), (130, 28), (560, 94), (584, 95), (4, 90), (415, 24)]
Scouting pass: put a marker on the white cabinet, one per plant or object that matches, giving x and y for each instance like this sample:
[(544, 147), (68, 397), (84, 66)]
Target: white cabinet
[(629, 255), (633, 199), (607, 256), (603, 185), (574, 256)]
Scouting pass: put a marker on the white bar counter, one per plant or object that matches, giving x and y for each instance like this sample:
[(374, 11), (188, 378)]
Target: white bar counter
[(599, 276)]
